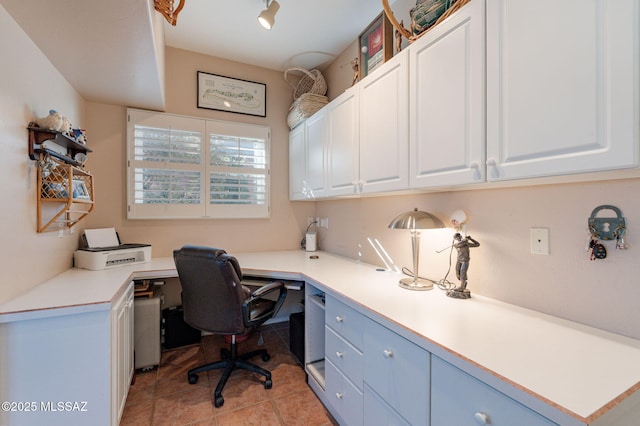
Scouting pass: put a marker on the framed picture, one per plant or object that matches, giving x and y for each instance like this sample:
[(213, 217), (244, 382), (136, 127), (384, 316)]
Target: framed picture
[(80, 190), (231, 94), (376, 44)]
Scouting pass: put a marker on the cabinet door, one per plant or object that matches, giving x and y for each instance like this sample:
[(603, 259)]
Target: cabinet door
[(316, 138), (562, 87), (384, 127), (459, 399), (447, 101), (343, 144), (378, 412), (297, 163), (122, 334), (345, 399), (398, 371)]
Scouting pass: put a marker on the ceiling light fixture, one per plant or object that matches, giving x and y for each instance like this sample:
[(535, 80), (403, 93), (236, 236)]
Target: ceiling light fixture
[(267, 16)]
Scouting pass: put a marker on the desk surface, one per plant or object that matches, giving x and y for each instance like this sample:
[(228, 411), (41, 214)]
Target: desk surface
[(578, 369)]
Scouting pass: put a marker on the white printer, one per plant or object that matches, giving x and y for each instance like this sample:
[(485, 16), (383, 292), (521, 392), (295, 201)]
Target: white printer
[(103, 250)]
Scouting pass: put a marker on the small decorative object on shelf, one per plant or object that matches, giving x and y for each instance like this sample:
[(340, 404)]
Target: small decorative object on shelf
[(376, 45), (54, 143)]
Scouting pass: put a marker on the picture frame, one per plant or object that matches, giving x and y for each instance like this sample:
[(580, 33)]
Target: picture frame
[(375, 44), (229, 94), (80, 190)]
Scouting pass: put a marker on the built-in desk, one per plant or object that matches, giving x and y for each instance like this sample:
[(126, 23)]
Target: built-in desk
[(52, 338)]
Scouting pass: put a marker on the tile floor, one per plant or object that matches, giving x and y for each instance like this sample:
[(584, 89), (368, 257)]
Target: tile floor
[(163, 396)]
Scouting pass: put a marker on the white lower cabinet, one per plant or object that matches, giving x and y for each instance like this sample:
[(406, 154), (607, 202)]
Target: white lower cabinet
[(343, 361), (398, 371), (378, 412), (122, 343), (344, 397), (459, 399)]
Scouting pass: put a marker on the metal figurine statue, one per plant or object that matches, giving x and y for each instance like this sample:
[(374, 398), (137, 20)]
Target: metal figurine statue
[(462, 265)]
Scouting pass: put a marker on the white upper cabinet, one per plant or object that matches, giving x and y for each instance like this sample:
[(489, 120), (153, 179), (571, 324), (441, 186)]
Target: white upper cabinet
[(384, 109), (297, 163), (447, 101), (342, 150), (317, 134), (562, 86)]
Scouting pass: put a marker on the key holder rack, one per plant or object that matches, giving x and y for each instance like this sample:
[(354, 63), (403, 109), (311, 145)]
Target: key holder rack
[(607, 228)]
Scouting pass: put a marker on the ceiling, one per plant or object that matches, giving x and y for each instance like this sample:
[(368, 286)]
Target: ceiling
[(113, 51), (307, 33)]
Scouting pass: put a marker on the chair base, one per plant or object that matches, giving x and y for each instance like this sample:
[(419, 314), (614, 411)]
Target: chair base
[(231, 361)]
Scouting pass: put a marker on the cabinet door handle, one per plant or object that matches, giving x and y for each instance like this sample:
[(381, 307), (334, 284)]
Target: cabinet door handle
[(475, 168), (482, 418), (339, 318), (339, 395), (388, 353), (339, 354)]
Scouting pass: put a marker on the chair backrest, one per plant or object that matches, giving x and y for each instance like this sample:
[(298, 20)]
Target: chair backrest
[(212, 293)]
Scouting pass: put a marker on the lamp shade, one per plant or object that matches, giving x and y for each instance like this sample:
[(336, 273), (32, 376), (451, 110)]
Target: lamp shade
[(416, 220), (268, 16)]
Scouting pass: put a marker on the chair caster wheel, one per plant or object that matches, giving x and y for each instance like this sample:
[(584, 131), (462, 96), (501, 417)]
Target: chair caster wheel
[(218, 401), (266, 357), (268, 384), (193, 379)]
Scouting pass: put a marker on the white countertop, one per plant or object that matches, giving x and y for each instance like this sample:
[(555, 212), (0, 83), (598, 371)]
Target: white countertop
[(578, 369)]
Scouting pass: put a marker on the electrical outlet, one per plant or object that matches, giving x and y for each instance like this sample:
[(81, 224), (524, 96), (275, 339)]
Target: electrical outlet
[(310, 220), (324, 223), (540, 241)]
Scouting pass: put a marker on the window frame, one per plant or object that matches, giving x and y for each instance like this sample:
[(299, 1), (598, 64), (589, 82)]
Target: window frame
[(205, 127)]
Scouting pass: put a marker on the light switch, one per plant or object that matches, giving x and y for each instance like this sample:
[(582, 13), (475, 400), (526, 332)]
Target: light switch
[(540, 241)]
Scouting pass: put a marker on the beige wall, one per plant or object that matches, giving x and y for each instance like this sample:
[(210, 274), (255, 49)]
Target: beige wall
[(602, 293), (29, 87), (283, 230)]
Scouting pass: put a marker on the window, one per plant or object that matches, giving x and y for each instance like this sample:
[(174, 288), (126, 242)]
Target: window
[(183, 167)]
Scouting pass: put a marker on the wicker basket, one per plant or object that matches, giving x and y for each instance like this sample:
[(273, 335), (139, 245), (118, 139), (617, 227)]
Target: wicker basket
[(311, 82), (304, 107)]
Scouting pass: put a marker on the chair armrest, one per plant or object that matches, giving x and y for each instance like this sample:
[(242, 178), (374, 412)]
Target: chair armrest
[(257, 296)]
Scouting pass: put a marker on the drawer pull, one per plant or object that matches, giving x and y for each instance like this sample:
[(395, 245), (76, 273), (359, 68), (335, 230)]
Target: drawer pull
[(339, 318), (339, 354), (482, 418), (339, 395), (388, 353)]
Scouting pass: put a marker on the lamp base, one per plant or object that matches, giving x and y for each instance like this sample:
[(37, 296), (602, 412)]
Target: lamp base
[(413, 284)]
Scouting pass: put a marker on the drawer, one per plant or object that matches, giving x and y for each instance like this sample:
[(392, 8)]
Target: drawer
[(398, 371), (460, 399), (346, 321), (378, 412), (345, 399), (344, 356)]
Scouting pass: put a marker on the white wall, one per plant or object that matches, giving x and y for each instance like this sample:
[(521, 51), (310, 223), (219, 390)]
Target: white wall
[(29, 87)]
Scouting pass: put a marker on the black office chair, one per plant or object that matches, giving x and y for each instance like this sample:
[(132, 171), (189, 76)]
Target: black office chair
[(214, 300)]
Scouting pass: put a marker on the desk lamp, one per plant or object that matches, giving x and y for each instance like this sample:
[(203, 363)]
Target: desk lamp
[(414, 221)]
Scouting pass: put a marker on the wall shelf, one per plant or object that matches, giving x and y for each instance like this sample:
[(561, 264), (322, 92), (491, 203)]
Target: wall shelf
[(38, 136), (65, 195), (65, 190)]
